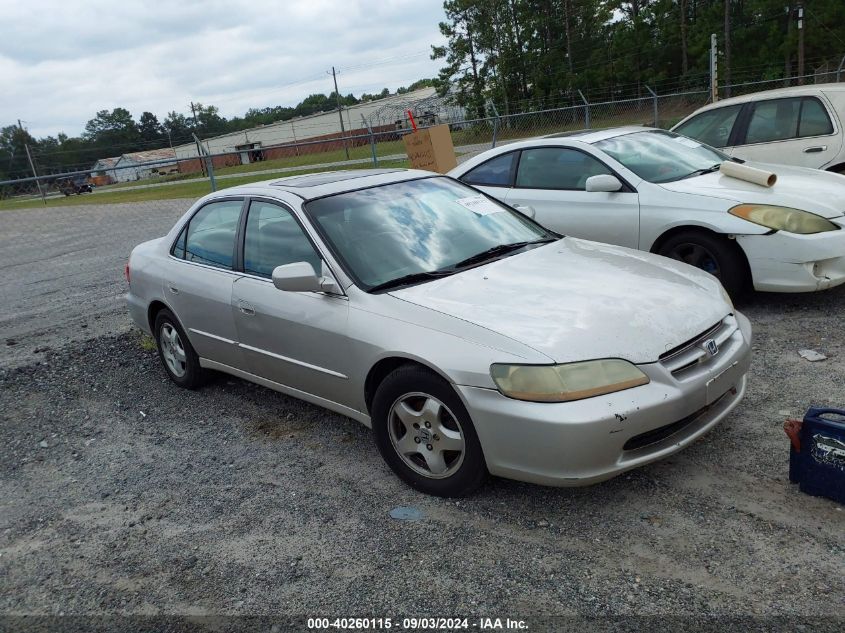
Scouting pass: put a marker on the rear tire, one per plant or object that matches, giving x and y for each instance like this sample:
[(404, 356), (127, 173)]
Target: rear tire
[(425, 435), (178, 357), (714, 254)]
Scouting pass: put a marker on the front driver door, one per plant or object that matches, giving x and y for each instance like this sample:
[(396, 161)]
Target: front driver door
[(297, 339), (552, 181)]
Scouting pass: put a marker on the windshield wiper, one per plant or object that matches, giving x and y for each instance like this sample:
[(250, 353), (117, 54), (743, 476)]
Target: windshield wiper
[(498, 250), (413, 278), (701, 172)]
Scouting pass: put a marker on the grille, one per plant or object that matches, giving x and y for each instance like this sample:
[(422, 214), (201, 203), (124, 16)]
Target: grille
[(692, 354), (661, 433)]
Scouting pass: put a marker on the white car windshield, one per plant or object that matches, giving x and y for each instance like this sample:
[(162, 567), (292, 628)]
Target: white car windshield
[(407, 232), (660, 156)]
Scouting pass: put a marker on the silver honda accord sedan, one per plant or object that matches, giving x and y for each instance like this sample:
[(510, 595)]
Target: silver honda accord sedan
[(468, 337)]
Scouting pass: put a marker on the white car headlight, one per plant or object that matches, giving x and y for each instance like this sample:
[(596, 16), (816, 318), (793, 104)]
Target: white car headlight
[(564, 383), (783, 218)]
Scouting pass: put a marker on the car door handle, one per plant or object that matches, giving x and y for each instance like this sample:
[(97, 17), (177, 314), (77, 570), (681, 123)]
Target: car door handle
[(815, 150), (173, 289), (246, 308)]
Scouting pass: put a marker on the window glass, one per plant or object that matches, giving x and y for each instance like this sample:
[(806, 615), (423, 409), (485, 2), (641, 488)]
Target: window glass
[(211, 234), (712, 127), (814, 119), (660, 156), (557, 168), (386, 232), (495, 172), (774, 120), (274, 238), (179, 245)]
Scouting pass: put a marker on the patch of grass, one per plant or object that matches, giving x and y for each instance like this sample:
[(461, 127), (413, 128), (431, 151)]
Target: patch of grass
[(190, 189), (147, 181), (360, 152), (148, 343)]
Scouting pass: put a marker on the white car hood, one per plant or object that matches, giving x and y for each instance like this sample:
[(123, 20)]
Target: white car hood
[(576, 300), (819, 192)]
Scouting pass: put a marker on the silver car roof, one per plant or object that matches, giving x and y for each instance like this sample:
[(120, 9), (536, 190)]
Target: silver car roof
[(326, 183)]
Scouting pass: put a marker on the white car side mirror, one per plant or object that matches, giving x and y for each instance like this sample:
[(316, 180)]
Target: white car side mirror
[(603, 183), (300, 277)]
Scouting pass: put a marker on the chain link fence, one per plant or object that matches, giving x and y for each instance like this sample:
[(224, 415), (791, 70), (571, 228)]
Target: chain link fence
[(193, 169)]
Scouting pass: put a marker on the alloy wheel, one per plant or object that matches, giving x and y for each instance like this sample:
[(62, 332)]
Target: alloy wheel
[(426, 435), (172, 350)]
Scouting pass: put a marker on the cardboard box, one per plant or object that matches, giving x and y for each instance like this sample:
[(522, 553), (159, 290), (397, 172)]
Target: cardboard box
[(431, 149)]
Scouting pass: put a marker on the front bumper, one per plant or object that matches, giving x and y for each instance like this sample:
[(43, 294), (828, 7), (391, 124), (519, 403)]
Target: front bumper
[(587, 441), (787, 262)]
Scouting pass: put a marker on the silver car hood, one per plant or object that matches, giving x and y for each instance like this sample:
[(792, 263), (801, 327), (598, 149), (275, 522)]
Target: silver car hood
[(819, 192), (575, 300)]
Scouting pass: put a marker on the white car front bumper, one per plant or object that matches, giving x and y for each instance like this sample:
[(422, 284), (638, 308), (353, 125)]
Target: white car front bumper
[(788, 262)]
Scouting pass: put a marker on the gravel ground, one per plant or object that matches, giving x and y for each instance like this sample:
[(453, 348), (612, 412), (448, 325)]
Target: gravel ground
[(61, 270), (122, 494)]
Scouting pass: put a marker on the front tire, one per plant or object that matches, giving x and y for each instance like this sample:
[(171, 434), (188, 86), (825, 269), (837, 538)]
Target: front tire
[(178, 357), (713, 254), (425, 435)]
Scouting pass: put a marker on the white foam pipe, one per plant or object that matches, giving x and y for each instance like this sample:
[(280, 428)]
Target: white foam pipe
[(748, 174)]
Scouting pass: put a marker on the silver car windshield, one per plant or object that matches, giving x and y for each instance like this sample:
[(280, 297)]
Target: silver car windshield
[(660, 156), (412, 230)]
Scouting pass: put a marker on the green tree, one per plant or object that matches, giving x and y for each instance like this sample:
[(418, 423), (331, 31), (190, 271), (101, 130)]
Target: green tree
[(178, 126), (462, 73), (116, 128), (149, 129)]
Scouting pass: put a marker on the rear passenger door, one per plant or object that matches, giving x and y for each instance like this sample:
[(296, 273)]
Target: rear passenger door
[(792, 131), (552, 181), (199, 279)]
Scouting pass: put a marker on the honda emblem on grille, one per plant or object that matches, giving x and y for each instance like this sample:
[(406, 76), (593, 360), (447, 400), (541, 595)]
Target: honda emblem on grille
[(711, 346)]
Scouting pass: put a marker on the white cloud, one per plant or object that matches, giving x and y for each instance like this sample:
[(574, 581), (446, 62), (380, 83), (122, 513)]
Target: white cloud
[(60, 62)]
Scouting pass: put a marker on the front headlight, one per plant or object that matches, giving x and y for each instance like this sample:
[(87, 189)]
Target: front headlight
[(783, 218), (563, 383)]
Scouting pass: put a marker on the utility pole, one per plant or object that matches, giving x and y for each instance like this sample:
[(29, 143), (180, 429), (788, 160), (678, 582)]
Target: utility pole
[(800, 44), (340, 113), (714, 67), (35, 173), (727, 48), (194, 112), (32, 165)]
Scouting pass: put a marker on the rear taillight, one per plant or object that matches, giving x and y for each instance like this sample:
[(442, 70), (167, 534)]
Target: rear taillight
[(126, 272)]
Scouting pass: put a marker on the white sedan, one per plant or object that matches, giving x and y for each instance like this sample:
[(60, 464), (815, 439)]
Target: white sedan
[(660, 192)]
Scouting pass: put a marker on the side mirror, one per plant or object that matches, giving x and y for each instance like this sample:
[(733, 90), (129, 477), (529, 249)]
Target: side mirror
[(603, 183), (300, 277)]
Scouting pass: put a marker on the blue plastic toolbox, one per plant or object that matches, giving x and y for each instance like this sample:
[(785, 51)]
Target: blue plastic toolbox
[(817, 455)]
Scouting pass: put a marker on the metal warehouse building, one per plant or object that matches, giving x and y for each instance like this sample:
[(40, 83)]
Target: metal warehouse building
[(385, 114)]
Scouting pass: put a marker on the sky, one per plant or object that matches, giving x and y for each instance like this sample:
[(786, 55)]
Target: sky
[(61, 62)]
